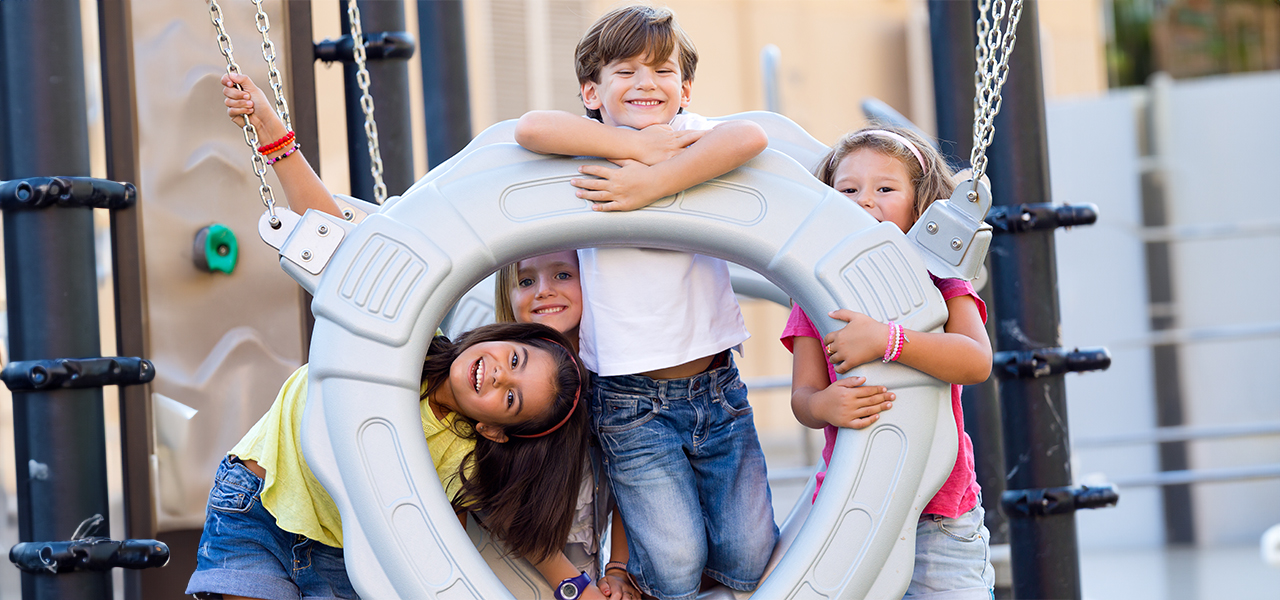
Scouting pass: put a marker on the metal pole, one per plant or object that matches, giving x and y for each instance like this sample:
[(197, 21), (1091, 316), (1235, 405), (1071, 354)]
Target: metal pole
[(115, 31), (52, 288), (951, 28), (1044, 553), (306, 122), (445, 92), (389, 86), (951, 31)]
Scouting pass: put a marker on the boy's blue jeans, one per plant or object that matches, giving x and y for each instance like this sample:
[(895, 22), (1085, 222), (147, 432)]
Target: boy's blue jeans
[(689, 477)]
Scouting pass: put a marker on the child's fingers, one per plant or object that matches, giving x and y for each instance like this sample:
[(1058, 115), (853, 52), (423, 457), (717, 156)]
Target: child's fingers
[(842, 314), (863, 422), (589, 184), (851, 382), (594, 195), (690, 136), (593, 170)]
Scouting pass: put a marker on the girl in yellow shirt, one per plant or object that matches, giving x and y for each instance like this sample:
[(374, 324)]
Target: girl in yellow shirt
[(503, 418)]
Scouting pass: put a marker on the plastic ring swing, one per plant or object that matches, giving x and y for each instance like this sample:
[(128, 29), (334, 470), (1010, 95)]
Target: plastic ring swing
[(382, 287)]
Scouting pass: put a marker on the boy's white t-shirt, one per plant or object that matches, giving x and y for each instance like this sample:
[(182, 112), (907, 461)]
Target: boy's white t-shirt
[(645, 309)]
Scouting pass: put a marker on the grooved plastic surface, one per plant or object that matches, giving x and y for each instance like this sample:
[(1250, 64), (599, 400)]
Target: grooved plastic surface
[(398, 273)]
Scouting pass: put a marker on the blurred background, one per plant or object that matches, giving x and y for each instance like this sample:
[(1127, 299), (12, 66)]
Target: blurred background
[(1162, 113)]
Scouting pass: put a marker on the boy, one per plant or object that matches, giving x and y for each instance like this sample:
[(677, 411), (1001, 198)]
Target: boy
[(677, 431)]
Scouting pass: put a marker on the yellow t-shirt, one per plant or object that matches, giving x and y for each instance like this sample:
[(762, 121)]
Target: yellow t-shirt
[(293, 495)]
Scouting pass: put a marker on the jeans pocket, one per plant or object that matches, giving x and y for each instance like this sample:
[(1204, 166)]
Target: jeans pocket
[(235, 488), (964, 529), (622, 412), (733, 399)]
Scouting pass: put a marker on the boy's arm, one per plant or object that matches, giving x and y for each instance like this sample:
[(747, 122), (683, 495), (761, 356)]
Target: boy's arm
[(634, 185), (961, 355), (559, 132), (301, 186)]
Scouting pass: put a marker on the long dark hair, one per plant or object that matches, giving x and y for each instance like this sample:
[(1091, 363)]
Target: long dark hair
[(525, 489)]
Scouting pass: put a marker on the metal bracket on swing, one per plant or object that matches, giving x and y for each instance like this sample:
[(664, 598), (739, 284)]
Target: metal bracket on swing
[(952, 232), (310, 240), (307, 241)]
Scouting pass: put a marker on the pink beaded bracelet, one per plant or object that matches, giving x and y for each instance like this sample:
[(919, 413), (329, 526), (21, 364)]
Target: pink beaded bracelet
[(897, 339), (272, 161)]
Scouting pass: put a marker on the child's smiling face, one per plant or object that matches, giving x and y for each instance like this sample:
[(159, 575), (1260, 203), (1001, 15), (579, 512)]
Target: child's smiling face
[(548, 291), (879, 183), (501, 383), (634, 94)]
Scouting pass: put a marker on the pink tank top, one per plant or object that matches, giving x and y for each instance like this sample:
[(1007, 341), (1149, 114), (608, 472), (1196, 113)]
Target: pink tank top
[(959, 494)]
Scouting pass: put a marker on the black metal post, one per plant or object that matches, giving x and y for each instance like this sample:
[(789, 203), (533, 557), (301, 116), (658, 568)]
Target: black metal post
[(306, 121), (389, 86), (952, 37), (951, 29), (1045, 557), (445, 92), (52, 287), (115, 31)]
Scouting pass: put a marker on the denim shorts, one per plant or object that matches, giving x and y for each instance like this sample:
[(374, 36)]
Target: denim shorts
[(689, 476), (953, 558), (244, 553)]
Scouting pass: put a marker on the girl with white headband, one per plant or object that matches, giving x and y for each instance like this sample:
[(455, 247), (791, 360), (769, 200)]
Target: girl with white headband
[(895, 175)]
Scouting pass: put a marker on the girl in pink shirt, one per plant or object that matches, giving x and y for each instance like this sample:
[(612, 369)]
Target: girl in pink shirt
[(894, 174)]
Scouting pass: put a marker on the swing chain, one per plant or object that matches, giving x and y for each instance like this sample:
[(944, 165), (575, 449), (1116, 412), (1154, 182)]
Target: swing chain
[(250, 133), (366, 103), (273, 74), (994, 48)]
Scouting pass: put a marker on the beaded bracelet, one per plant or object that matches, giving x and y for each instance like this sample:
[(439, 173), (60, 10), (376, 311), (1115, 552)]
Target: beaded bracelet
[(615, 564), (897, 339), (902, 343), (272, 161), (276, 145)]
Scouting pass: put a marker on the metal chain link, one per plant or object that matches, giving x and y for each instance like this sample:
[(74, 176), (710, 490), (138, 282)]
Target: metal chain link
[(366, 103), (273, 74), (994, 48), (250, 133)]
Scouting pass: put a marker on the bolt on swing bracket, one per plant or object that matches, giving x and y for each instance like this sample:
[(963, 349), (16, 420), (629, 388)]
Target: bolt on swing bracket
[(67, 373), (952, 235), (1046, 362), (66, 192), (1038, 217), (307, 241)]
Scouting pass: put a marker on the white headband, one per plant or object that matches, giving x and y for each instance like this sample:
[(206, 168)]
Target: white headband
[(900, 139)]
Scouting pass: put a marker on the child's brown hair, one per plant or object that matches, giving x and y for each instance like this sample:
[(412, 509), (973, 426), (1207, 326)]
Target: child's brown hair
[(631, 31), (932, 180)]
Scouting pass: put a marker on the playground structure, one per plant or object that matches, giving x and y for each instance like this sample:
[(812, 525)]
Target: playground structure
[(472, 273)]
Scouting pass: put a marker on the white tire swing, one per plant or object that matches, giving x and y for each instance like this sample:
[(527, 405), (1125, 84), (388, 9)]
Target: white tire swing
[(382, 287)]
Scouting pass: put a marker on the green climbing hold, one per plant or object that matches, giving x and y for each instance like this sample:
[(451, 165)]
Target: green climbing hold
[(216, 249)]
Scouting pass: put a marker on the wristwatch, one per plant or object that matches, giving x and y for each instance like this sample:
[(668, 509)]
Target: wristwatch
[(572, 587)]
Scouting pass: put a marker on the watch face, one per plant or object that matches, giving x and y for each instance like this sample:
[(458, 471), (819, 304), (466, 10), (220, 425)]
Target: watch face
[(568, 590)]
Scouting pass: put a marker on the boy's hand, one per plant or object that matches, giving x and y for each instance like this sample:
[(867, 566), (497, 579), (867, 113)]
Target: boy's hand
[(618, 588), (847, 403), (861, 341), (626, 188), (660, 142)]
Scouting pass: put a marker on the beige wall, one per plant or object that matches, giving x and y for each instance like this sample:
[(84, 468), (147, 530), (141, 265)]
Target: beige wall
[(834, 53)]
